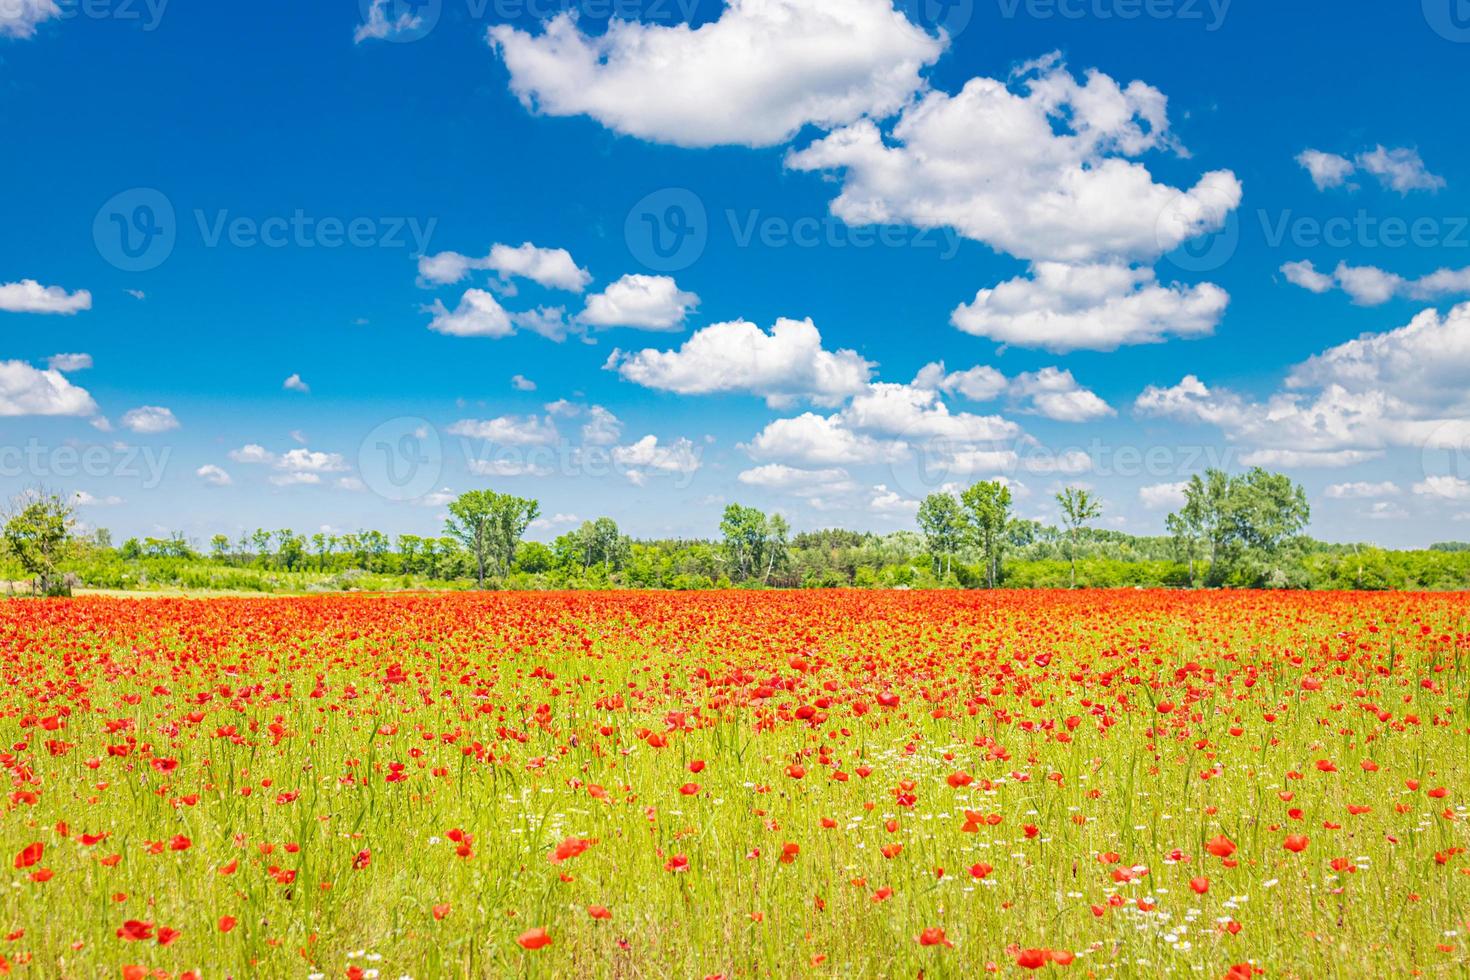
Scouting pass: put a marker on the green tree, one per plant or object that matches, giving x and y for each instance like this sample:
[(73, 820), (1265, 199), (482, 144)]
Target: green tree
[(1079, 507), (490, 525), (987, 512), (755, 545), (38, 534), (1240, 519), (943, 524)]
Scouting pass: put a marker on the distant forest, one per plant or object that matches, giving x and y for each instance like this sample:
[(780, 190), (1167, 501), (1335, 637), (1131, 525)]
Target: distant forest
[(1242, 531)]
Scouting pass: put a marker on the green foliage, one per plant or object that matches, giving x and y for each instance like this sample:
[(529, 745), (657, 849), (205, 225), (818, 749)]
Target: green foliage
[(38, 535), (987, 512), (1245, 526), (489, 525), (755, 544)]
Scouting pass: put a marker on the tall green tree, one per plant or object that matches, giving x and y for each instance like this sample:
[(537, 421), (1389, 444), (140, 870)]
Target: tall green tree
[(490, 525), (38, 534), (987, 508), (943, 524), (1241, 520), (1079, 508), (755, 545)]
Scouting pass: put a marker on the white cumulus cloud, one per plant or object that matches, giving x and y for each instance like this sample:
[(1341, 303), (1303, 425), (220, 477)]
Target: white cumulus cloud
[(754, 76), (645, 302), (29, 296), (784, 366)]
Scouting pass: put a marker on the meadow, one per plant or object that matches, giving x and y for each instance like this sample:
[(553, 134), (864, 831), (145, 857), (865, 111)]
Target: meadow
[(738, 784)]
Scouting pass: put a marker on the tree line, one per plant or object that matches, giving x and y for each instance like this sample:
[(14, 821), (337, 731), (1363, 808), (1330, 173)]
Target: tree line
[(1235, 530)]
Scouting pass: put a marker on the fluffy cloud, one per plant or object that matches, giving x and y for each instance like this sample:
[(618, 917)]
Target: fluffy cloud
[(1399, 388), (818, 440), (646, 302), (215, 476), (783, 366), (479, 314), (380, 27), (1307, 458), (149, 420), (754, 76), (31, 391), (799, 482), (1399, 169), (18, 18), (603, 428), (69, 362), (509, 430), (1362, 490), (1055, 394), (679, 457), (1327, 169), (1043, 173), (978, 384), (1162, 496), (1426, 361), (1065, 307), (84, 499), (1051, 392), (522, 383), (918, 413), (1368, 285), (1444, 487), (886, 501), (295, 467), (552, 268), (294, 383), (29, 296)]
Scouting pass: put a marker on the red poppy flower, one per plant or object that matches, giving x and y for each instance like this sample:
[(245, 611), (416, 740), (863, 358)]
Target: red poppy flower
[(29, 855), (934, 936), (534, 938)]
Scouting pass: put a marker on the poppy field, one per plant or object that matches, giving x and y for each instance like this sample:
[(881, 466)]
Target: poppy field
[(737, 784)]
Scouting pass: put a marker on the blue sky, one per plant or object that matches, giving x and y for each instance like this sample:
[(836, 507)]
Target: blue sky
[(1140, 238)]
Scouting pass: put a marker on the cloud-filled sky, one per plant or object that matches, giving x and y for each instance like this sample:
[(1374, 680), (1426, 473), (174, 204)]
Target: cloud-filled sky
[(325, 265)]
